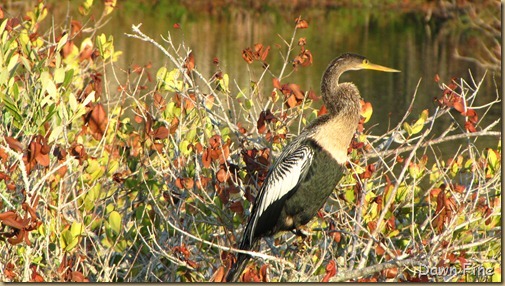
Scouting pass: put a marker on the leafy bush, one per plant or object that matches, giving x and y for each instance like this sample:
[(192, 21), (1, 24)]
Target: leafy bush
[(156, 185)]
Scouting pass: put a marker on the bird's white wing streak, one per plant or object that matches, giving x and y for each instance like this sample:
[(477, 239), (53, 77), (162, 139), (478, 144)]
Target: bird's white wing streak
[(283, 178)]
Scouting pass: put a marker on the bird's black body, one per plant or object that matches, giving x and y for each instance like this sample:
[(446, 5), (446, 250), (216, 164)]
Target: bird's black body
[(310, 166), (292, 209)]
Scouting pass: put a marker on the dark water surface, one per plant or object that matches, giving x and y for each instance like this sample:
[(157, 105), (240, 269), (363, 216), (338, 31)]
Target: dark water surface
[(390, 38), (420, 49)]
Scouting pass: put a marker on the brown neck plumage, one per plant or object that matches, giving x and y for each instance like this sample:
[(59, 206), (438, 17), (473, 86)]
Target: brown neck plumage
[(338, 97)]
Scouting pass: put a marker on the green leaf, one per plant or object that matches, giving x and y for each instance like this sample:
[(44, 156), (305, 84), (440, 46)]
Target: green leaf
[(68, 241), (13, 62), (69, 74), (222, 84), (415, 170), (62, 42), (183, 148), (59, 75), (492, 159), (115, 222), (77, 229), (248, 104), (3, 25)]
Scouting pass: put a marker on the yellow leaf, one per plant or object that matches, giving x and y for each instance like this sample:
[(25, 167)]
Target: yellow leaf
[(407, 128), (418, 126)]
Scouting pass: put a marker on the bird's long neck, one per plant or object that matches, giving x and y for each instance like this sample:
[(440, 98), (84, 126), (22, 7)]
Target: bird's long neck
[(338, 97), (335, 130)]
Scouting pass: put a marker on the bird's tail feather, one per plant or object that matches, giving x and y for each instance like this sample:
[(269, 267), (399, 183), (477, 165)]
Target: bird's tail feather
[(242, 258), (237, 268)]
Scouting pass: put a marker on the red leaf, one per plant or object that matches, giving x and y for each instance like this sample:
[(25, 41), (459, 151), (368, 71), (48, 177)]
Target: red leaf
[(331, 270), (322, 111), (470, 127)]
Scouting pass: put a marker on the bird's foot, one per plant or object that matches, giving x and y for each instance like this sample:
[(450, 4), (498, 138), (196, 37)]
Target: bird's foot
[(302, 231)]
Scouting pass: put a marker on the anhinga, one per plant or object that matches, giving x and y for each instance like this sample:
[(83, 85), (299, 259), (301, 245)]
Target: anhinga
[(311, 165)]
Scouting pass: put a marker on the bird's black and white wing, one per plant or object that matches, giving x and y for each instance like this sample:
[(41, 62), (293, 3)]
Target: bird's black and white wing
[(290, 169)]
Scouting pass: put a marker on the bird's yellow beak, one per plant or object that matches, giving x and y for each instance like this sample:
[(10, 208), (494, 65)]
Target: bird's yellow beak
[(370, 66)]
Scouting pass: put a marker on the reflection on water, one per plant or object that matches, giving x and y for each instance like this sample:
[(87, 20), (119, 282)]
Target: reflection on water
[(399, 41), (389, 38)]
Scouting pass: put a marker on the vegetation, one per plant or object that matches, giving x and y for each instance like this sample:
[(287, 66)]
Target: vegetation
[(154, 180)]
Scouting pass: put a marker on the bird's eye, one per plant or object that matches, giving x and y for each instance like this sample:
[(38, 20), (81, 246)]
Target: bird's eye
[(365, 61)]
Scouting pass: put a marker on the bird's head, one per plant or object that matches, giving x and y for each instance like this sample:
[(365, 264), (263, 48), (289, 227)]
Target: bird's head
[(350, 61)]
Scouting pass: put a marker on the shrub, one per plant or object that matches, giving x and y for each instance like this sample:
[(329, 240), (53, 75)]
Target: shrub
[(156, 186)]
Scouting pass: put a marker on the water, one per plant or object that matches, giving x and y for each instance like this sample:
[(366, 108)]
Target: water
[(401, 41), (391, 38)]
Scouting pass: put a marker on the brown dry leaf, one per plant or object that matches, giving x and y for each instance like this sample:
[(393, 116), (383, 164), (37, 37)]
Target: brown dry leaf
[(291, 101), (77, 276), (160, 133), (264, 273), (301, 24), (14, 144), (247, 55), (9, 271), (158, 147), (276, 83), (379, 250), (299, 94), (75, 28), (222, 175), (264, 53), (218, 275), (190, 62), (470, 127), (86, 53), (390, 272), (159, 102), (174, 125), (260, 124), (10, 218), (97, 121), (470, 113), (459, 106), (206, 159), (67, 49), (312, 95), (237, 207), (35, 275), (79, 152)]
